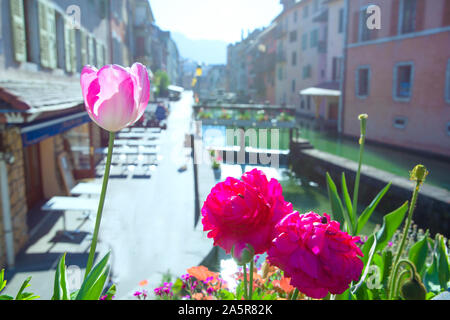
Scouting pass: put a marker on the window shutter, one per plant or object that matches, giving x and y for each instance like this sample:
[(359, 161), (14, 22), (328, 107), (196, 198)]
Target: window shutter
[(43, 34), (73, 50), (18, 30), (69, 46), (100, 56), (51, 37), (84, 51), (91, 50)]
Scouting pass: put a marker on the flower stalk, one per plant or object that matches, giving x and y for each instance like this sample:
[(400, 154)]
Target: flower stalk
[(418, 174), (362, 139), (250, 285), (100, 205)]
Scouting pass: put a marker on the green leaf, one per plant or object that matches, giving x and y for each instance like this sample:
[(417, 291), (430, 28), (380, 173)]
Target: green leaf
[(367, 259), (93, 285), (430, 295), (6, 297), (111, 292), (418, 254), (74, 294), (367, 213), (226, 295), (240, 291), (442, 262), (431, 277), (336, 205), (391, 222), (25, 284), (60, 291), (2, 280), (387, 266), (348, 202)]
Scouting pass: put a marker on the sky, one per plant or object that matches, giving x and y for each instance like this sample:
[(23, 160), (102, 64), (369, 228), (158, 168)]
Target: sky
[(214, 19)]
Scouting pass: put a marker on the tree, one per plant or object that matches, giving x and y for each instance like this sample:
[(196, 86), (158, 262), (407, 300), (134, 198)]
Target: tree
[(161, 82)]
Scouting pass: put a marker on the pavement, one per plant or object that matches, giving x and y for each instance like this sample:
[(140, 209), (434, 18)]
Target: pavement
[(147, 224)]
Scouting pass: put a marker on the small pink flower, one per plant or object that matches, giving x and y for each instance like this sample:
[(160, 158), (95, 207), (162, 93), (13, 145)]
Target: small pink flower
[(115, 97), (316, 255)]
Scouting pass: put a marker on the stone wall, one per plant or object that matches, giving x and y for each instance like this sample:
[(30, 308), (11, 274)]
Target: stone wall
[(433, 205), (17, 193)]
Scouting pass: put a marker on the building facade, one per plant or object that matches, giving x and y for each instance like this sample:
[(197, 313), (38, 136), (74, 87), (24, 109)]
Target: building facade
[(43, 48), (400, 74)]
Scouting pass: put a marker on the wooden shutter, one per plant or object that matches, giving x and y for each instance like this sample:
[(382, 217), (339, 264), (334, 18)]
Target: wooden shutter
[(69, 46), (18, 30), (84, 49), (43, 34), (51, 37), (100, 55), (91, 50)]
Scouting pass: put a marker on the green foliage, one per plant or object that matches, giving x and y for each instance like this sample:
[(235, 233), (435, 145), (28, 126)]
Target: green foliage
[(418, 254), (92, 287), (161, 82), (391, 222), (21, 295), (60, 291)]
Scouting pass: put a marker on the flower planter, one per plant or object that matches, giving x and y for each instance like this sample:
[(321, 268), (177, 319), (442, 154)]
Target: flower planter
[(217, 173)]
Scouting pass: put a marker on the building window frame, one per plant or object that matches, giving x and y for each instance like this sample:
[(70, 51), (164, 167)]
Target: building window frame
[(341, 20), (305, 11), (447, 83), (398, 125), (294, 58), (401, 18), (305, 41), (369, 76), (395, 81)]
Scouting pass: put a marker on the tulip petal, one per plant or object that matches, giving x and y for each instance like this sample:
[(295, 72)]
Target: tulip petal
[(142, 93)]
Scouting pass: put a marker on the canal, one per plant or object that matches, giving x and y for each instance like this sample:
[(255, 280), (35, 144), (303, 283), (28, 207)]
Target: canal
[(385, 158)]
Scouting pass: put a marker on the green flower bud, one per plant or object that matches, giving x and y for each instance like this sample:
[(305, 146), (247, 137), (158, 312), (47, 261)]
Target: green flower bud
[(413, 289), (244, 255), (363, 122), (419, 173)]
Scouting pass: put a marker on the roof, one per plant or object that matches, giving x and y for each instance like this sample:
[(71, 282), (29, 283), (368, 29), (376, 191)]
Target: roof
[(313, 91), (37, 96), (175, 88)]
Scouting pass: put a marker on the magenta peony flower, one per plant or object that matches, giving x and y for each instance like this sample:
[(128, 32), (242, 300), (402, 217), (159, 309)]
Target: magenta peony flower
[(115, 97), (239, 213), (316, 255)]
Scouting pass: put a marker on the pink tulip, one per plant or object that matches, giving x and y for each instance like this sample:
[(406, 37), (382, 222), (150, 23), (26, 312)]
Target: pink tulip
[(115, 97)]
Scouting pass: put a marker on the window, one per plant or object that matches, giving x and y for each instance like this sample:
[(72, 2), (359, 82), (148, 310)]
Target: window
[(280, 74), (341, 21), (305, 12), (293, 86), (306, 71), (19, 44), (308, 102), (407, 16), (295, 16), (400, 122), (336, 69), (364, 31), (403, 81), (362, 82), (293, 36), (316, 5), (305, 41), (314, 38), (447, 84), (294, 58)]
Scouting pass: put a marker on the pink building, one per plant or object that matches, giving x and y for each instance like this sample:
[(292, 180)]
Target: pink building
[(400, 74)]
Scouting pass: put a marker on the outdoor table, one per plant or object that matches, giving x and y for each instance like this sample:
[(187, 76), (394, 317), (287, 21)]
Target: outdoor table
[(85, 188), (137, 135), (57, 204)]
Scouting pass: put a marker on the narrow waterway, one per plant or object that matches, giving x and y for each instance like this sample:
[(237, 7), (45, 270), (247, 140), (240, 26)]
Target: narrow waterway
[(389, 159)]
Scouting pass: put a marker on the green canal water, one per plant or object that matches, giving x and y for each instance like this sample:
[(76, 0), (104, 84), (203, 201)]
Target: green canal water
[(394, 161)]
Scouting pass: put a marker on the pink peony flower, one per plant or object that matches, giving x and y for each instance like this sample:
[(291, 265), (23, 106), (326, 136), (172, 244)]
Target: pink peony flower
[(316, 255), (239, 213), (115, 97)]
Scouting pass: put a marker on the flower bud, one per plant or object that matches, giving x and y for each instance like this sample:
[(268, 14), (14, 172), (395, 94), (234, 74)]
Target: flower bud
[(242, 255), (413, 289), (419, 173)]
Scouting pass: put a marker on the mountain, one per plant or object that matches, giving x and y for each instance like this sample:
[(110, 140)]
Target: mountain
[(207, 51)]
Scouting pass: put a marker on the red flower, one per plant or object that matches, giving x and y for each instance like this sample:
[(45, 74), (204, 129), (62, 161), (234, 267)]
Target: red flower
[(316, 254), (237, 213)]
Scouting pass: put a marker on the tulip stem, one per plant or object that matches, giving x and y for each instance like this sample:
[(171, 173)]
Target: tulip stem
[(245, 282), (295, 294), (250, 285), (100, 205)]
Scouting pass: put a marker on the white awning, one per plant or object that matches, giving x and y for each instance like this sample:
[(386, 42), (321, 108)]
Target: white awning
[(175, 88), (320, 92)]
